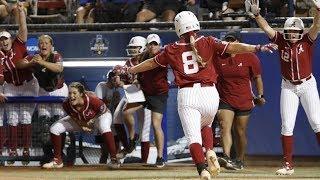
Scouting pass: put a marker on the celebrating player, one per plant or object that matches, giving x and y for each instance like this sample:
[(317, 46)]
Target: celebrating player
[(191, 59), (85, 113), (19, 81), (298, 83), (2, 100)]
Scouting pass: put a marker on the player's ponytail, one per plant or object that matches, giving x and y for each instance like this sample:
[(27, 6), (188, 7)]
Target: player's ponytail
[(195, 51)]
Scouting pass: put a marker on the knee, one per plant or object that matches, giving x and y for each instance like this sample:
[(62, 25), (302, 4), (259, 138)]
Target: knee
[(57, 129), (286, 131)]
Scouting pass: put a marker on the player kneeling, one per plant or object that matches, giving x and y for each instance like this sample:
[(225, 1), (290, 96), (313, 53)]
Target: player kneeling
[(86, 112)]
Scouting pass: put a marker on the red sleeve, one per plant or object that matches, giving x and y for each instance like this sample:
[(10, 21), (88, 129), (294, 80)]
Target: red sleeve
[(19, 49), (1, 71), (29, 57), (306, 38), (57, 57), (162, 58), (97, 105), (277, 38), (255, 66), (216, 44)]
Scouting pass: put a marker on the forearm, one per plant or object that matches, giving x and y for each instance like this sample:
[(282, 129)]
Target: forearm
[(144, 66), (263, 24), (239, 48), (259, 84), (23, 64), (23, 31), (54, 67)]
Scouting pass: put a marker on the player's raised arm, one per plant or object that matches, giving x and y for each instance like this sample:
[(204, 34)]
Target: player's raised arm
[(144, 66), (252, 7), (23, 31), (315, 27), (239, 48)]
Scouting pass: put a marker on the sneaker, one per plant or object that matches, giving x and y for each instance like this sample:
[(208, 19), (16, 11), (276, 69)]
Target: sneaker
[(25, 154), (114, 163), (122, 154), (132, 144), (213, 164), (287, 169), (238, 164), (160, 162), (12, 153), (54, 164), (205, 175), (226, 162)]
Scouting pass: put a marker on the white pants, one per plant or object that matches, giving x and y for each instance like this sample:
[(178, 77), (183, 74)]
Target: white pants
[(52, 109), (197, 107), (20, 112), (307, 93), (66, 124), (144, 119)]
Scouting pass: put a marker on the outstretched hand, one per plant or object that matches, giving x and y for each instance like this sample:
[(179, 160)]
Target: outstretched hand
[(316, 4), (267, 47), (252, 7)]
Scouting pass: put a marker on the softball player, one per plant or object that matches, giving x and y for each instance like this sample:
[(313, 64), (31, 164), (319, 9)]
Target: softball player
[(85, 113), (191, 59), (298, 83), (19, 81), (2, 100)]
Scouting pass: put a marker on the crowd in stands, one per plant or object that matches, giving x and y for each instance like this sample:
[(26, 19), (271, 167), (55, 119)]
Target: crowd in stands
[(105, 11)]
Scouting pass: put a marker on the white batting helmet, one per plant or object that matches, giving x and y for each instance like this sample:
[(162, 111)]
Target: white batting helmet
[(185, 22), (136, 45), (293, 24)]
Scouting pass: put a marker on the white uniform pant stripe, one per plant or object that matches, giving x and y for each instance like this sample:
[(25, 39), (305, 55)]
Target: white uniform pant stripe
[(197, 107)]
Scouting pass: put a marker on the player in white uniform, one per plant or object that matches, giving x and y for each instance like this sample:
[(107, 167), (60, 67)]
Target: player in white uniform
[(298, 82)]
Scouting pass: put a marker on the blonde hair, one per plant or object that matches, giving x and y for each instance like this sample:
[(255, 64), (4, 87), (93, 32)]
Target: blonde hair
[(194, 49), (78, 86), (45, 36)]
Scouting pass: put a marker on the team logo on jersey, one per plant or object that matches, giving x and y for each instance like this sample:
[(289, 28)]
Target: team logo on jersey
[(89, 113), (300, 49), (99, 46)]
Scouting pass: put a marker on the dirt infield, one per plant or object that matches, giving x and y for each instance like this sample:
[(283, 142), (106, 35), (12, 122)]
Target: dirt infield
[(138, 171)]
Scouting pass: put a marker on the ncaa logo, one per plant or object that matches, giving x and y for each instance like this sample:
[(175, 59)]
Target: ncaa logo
[(32, 45), (99, 46)]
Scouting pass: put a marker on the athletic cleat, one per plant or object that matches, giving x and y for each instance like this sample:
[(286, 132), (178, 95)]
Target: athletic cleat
[(160, 162), (226, 162), (122, 154), (287, 169), (132, 146), (238, 164), (25, 154), (54, 164), (114, 164), (213, 164), (205, 175), (12, 153)]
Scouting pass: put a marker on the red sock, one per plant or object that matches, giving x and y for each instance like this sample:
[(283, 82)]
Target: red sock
[(318, 137), (122, 134), (145, 146), (2, 136), (196, 153), (13, 137), (287, 147), (26, 135), (57, 144), (207, 137), (109, 142)]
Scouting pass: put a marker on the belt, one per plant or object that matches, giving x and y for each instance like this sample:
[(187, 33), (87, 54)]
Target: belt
[(298, 82), (195, 84)]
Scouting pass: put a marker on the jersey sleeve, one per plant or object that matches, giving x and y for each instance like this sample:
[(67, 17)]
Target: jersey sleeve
[(255, 65), (57, 58), (20, 50), (306, 37), (217, 45), (162, 58), (99, 91), (277, 38), (98, 105)]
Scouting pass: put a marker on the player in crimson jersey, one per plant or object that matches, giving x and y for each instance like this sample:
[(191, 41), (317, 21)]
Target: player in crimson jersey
[(154, 84), (191, 59), (2, 100), (19, 81), (86, 112), (236, 72), (298, 83), (136, 46)]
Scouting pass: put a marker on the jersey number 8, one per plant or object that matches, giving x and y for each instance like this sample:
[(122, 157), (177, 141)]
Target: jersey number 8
[(190, 64)]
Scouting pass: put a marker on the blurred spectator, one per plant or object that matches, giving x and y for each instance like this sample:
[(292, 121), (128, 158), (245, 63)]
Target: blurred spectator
[(268, 8), (116, 10), (213, 7), (167, 9), (233, 6), (9, 11), (82, 13)]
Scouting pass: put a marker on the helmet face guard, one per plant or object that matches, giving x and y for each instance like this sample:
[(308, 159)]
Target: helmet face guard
[(136, 45), (293, 29), (133, 50), (292, 36)]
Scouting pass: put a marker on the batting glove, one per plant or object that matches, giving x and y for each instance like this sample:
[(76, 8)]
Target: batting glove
[(266, 48)]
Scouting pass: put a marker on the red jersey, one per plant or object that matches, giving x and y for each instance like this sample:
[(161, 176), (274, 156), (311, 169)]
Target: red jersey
[(128, 78), (1, 70), (17, 53), (295, 59), (155, 81), (47, 79), (234, 80), (182, 60), (91, 108)]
